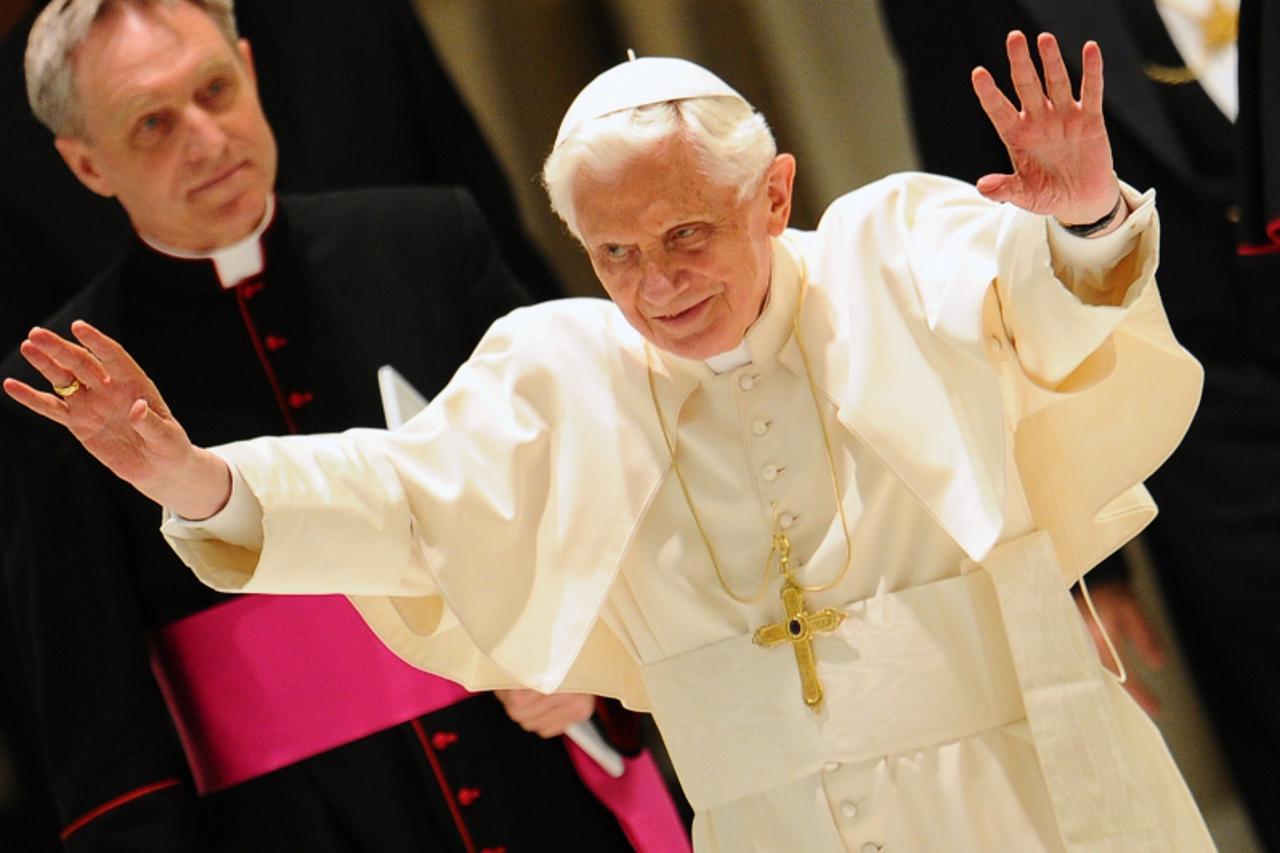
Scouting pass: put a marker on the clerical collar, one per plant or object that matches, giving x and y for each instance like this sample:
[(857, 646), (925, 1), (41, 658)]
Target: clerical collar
[(233, 263), (739, 356), (765, 337)]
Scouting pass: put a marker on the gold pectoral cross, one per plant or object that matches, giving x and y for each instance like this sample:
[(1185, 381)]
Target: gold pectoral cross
[(798, 627)]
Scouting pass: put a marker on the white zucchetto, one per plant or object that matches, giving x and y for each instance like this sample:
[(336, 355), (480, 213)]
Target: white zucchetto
[(638, 83)]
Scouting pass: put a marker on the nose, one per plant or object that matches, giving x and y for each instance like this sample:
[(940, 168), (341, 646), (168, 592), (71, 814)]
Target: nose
[(657, 277), (205, 137)]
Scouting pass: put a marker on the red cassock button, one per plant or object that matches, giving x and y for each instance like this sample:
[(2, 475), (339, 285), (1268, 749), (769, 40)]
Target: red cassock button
[(298, 399), (275, 342), (467, 796), (442, 739)]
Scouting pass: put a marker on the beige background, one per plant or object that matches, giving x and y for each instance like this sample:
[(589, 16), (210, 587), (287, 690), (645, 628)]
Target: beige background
[(822, 73), (824, 79)]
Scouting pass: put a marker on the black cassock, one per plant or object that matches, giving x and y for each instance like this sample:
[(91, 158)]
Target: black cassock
[(353, 280)]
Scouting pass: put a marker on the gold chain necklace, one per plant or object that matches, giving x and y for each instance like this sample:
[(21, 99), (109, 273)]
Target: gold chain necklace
[(799, 626)]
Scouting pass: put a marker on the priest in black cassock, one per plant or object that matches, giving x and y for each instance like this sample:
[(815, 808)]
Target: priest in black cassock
[(357, 98), (295, 301), (1193, 111)]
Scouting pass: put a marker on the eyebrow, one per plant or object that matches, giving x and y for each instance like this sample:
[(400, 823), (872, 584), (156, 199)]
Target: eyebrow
[(130, 106)]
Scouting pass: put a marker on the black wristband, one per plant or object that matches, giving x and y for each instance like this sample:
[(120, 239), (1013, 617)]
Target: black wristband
[(1094, 227)]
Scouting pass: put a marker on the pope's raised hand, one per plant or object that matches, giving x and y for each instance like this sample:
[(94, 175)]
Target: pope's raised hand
[(113, 409), (1058, 145)]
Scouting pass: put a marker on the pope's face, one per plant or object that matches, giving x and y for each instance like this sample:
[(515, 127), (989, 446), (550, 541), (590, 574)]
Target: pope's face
[(172, 126), (685, 260)]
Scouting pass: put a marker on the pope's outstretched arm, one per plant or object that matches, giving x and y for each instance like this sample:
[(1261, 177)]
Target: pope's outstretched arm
[(114, 409), (1062, 167)]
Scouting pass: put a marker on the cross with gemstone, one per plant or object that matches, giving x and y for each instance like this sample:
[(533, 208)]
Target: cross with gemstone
[(798, 629)]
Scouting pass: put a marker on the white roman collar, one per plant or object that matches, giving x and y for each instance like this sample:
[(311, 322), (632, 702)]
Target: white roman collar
[(723, 362), (233, 263)]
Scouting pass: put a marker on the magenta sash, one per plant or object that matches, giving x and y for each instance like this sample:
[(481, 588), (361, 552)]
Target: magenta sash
[(264, 681), (638, 799)]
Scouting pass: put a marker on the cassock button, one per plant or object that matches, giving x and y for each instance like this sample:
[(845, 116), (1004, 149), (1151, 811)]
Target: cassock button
[(746, 382), (770, 473), (298, 399), (850, 810), (759, 426), (275, 342), (442, 740), (786, 520), (832, 767), (467, 796)]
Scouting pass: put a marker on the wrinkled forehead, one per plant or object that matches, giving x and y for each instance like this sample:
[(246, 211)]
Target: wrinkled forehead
[(651, 194)]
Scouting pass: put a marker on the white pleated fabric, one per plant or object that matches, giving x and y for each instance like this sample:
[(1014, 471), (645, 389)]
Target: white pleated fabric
[(992, 414)]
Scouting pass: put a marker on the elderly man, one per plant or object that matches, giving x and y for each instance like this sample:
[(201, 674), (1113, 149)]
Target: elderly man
[(266, 315), (815, 499)]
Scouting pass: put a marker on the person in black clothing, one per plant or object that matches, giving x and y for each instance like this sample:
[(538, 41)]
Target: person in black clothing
[(296, 301), (357, 98), (1171, 114)]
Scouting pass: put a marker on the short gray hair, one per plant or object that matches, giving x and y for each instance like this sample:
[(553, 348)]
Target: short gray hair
[(60, 29), (733, 142)]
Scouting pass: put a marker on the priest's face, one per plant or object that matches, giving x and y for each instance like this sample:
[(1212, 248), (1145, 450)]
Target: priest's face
[(172, 125), (685, 260)]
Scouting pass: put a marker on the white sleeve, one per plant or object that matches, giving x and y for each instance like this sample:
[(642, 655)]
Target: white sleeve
[(238, 523), (1088, 260), (1062, 296)]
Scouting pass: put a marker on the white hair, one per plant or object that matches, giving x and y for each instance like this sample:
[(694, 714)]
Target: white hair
[(60, 29), (732, 141)]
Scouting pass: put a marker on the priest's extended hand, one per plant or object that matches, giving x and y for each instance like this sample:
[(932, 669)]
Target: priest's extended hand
[(115, 411), (1058, 146)]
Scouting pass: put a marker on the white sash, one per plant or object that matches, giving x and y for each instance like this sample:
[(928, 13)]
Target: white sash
[(1000, 643), (917, 667)]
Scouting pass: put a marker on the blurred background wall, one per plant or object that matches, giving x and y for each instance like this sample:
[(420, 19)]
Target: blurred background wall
[(820, 70)]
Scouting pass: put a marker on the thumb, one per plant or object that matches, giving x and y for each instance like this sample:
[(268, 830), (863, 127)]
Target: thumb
[(997, 187), (160, 435)]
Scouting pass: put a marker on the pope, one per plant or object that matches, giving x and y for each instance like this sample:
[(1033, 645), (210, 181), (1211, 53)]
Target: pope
[(814, 499)]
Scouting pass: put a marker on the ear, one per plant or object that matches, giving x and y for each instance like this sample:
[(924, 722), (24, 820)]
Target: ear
[(779, 179), (79, 157), (246, 56)]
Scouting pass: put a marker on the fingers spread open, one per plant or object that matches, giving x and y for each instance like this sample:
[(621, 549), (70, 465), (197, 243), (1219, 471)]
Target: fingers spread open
[(1091, 80), (47, 366), (1057, 81), (1003, 115), (42, 404), (1026, 82), (81, 363), (103, 347)]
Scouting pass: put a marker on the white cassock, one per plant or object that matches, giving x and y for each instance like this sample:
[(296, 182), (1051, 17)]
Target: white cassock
[(991, 423)]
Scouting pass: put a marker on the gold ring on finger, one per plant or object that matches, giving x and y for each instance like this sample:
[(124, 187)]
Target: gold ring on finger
[(65, 391)]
